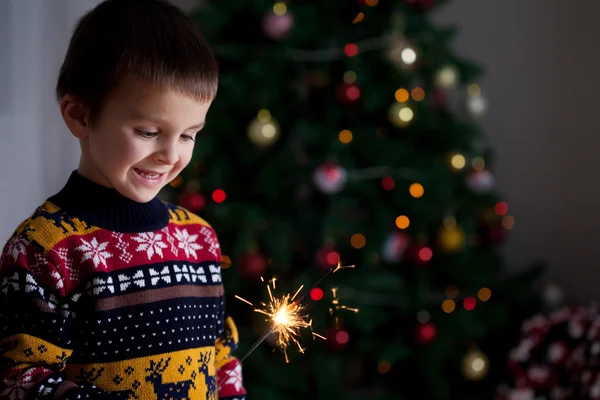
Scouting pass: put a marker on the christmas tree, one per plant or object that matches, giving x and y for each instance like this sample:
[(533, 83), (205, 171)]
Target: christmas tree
[(345, 133)]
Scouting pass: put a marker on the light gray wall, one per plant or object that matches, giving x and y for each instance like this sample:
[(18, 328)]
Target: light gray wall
[(542, 64)]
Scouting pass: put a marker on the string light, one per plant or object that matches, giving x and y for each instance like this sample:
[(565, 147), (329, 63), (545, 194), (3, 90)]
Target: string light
[(406, 114), (417, 94), (342, 337), (279, 8), (358, 241), (219, 195), (351, 49), (508, 222), (383, 367), (458, 161), (402, 221), (448, 306), (474, 90), (178, 181), (349, 76), (401, 95), (345, 136), (452, 292), (484, 294), (416, 190), (408, 55), (478, 163)]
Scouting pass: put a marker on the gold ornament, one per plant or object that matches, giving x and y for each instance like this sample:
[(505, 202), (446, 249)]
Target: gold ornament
[(446, 77), (475, 365), (263, 131), (451, 237)]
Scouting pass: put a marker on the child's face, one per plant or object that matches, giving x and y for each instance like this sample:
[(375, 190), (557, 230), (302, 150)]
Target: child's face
[(142, 139)]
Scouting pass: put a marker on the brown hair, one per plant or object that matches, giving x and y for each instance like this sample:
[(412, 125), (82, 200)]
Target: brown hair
[(151, 39)]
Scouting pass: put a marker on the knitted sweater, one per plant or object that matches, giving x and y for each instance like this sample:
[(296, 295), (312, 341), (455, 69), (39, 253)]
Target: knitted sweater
[(102, 297)]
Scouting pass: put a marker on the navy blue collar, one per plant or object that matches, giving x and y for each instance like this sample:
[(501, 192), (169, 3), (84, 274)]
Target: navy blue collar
[(106, 208)]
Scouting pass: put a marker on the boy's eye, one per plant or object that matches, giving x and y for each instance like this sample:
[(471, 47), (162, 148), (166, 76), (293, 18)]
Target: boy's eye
[(187, 137), (145, 134)]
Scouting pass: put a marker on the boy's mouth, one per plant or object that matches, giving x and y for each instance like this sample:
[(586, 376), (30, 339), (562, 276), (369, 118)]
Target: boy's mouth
[(149, 175)]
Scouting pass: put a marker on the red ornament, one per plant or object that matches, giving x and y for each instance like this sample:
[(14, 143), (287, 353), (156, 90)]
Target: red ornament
[(388, 183), (421, 5), (421, 254), (192, 201), (469, 303), (326, 257), (219, 195), (316, 294), (337, 338), (348, 93), (426, 333), (253, 265), (351, 49)]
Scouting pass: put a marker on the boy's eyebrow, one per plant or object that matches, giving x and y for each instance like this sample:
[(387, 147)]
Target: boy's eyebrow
[(156, 119)]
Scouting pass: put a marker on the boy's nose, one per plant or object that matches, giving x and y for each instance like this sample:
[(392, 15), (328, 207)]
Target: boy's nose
[(168, 155)]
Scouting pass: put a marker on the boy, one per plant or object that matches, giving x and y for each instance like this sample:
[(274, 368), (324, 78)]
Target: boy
[(106, 292)]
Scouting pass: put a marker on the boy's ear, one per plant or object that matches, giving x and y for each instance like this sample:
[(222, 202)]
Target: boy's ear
[(75, 115)]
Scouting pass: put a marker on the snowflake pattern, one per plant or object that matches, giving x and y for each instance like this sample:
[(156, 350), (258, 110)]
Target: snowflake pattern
[(170, 240), (17, 246), (94, 251), (187, 242), (18, 388), (151, 243), (235, 378), (63, 253), (211, 239)]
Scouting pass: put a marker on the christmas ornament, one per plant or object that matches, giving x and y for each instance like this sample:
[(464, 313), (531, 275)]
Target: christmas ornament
[(337, 338), (451, 237), (420, 5), (192, 201), (278, 22), (330, 178), (446, 77), (263, 131), (425, 333), (476, 106), (420, 254), (400, 115), (553, 295), (394, 247), (480, 182), (253, 265), (326, 257), (348, 93), (475, 365)]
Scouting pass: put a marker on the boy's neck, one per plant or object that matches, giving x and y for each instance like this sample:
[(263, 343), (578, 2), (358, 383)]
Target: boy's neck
[(106, 208)]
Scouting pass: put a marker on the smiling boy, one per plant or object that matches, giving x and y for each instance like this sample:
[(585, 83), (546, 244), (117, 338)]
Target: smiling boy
[(106, 291)]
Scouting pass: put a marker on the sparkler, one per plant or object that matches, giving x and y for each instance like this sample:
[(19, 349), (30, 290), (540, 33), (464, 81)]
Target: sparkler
[(286, 316)]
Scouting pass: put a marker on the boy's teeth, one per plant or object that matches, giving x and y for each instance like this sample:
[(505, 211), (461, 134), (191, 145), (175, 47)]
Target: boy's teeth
[(147, 175)]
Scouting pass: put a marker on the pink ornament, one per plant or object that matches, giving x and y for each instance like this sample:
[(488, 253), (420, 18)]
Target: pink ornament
[(480, 182), (395, 247), (277, 26), (330, 178)]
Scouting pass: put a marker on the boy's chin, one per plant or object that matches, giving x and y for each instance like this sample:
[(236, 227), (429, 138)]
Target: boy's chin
[(141, 196)]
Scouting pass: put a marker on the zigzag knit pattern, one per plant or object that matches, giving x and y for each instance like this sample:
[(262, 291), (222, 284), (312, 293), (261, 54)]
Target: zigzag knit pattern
[(87, 312)]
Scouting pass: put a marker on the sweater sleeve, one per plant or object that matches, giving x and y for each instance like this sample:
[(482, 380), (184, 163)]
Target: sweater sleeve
[(229, 369), (35, 343)]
